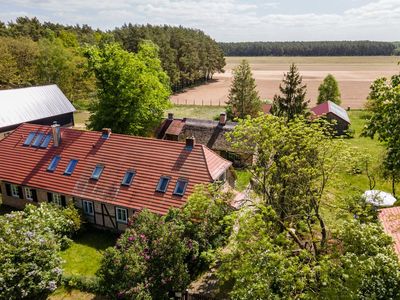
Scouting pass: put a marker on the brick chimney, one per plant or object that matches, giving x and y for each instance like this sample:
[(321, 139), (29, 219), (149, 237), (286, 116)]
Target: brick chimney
[(55, 131), (105, 133), (170, 116), (190, 142), (222, 118)]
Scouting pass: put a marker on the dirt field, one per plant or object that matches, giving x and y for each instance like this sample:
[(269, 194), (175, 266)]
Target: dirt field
[(354, 74)]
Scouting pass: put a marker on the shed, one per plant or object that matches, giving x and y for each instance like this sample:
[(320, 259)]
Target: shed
[(333, 112), (40, 105)]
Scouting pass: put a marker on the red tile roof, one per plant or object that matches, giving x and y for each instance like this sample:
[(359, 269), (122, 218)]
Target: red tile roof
[(150, 158), (390, 219), (266, 108), (175, 128)]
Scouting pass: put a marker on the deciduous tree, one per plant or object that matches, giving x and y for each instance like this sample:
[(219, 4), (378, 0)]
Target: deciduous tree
[(133, 90), (329, 90)]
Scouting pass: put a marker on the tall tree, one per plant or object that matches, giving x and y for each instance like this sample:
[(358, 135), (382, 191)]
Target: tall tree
[(329, 90), (384, 103), (293, 101), (133, 90), (243, 99)]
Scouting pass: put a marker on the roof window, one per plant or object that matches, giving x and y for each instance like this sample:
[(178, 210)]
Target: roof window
[(97, 172), (128, 177), (163, 184), (46, 141), (29, 138), (38, 139), (71, 167), (53, 164), (180, 187)]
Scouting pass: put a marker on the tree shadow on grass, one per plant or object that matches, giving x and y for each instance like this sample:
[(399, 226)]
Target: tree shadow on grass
[(96, 238)]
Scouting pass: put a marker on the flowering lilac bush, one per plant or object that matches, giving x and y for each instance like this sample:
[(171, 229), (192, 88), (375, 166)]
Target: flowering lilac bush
[(147, 261), (30, 242)]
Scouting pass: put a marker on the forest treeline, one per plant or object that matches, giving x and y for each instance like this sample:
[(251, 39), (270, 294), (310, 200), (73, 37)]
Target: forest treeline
[(34, 52), (321, 48)]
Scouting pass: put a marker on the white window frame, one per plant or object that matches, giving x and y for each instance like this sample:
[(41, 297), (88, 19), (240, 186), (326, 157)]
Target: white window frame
[(88, 207), (28, 194), (56, 199), (14, 191), (119, 212)]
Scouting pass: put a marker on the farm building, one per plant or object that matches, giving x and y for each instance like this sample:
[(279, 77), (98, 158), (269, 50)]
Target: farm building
[(333, 112), (207, 132), (109, 176), (40, 105)]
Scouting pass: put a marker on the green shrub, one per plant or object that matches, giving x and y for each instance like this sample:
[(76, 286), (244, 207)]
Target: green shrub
[(30, 244)]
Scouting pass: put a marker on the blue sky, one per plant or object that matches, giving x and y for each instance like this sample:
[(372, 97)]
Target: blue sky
[(229, 20)]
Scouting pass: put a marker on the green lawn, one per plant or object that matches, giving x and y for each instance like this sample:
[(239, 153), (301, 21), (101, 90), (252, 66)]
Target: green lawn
[(84, 255), (367, 146), (195, 111)]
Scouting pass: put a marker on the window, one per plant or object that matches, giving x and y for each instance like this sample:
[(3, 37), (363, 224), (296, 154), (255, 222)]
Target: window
[(57, 199), (28, 194), (29, 139), (14, 191), (46, 141), (53, 164), (162, 184), (128, 177), (180, 187), (71, 167), (38, 139), (97, 172), (122, 215), (88, 208)]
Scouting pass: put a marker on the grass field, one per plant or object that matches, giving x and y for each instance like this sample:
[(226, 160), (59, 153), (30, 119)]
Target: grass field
[(85, 253), (354, 74)]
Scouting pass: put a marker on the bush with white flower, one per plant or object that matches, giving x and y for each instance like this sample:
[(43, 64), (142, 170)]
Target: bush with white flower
[(30, 244)]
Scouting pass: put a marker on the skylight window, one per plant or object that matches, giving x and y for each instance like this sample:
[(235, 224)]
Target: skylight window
[(38, 139), (162, 184), (71, 167), (29, 139), (97, 172), (53, 164), (46, 141), (128, 177), (180, 187)]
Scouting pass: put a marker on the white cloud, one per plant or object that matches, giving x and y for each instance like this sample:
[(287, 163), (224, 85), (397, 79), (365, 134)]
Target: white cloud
[(223, 19)]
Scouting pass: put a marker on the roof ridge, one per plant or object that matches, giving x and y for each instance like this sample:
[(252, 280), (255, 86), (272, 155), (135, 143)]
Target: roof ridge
[(204, 147)]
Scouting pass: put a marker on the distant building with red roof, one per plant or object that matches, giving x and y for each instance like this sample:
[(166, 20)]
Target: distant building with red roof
[(332, 111), (211, 133), (110, 176)]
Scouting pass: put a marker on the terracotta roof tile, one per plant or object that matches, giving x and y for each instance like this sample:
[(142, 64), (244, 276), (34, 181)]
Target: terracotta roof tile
[(390, 220), (150, 158)]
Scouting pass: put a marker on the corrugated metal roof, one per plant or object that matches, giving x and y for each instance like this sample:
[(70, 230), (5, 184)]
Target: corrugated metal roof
[(33, 103), (150, 158), (330, 107)]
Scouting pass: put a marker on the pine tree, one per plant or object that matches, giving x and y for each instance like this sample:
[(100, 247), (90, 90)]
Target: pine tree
[(243, 96), (329, 90), (292, 102)]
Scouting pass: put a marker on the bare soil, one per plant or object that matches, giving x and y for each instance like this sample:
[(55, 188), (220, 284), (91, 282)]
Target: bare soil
[(354, 74)]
